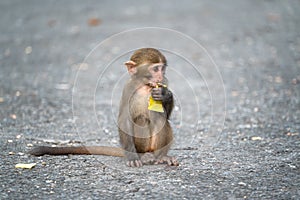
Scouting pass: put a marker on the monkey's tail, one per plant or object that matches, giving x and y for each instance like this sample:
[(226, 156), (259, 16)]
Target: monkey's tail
[(80, 150)]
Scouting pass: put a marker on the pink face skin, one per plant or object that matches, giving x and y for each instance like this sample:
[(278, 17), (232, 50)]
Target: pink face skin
[(157, 71)]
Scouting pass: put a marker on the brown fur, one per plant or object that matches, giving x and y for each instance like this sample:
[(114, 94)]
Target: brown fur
[(145, 136)]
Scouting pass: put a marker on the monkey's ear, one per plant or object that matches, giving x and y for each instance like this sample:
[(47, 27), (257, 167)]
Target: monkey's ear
[(131, 67)]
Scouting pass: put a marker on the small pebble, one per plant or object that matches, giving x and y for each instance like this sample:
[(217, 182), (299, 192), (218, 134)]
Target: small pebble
[(28, 50)]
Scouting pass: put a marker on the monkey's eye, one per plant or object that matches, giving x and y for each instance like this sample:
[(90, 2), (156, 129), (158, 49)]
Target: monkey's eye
[(155, 68)]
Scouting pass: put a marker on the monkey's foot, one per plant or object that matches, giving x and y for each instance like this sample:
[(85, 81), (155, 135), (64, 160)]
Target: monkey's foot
[(134, 163), (171, 161), (148, 159)]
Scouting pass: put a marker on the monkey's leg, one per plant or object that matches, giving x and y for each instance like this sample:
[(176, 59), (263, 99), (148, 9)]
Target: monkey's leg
[(128, 145), (141, 140), (163, 158), (165, 138)]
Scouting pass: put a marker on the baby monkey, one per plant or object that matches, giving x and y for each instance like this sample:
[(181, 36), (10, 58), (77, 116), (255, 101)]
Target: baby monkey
[(145, 135)]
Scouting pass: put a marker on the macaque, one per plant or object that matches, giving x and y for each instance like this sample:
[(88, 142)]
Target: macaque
[(145, 135)]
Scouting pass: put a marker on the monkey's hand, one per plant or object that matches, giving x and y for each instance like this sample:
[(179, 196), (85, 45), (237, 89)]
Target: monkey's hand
[(133, 160), (134, 163), (161, 94), (156, 94)]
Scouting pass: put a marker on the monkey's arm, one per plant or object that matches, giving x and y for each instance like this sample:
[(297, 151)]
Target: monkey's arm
[(168, 101)]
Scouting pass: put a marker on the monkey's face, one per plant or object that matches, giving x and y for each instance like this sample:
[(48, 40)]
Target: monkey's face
[(150, 74), (157, 72)]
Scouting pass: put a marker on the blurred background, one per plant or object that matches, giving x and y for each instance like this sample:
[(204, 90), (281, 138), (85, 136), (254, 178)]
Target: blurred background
[(48, 48), (234, 68)]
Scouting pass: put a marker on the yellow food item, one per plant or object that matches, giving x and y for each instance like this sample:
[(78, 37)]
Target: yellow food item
[(155, 105)]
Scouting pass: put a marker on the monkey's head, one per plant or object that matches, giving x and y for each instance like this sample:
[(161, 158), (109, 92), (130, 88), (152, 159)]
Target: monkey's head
[(148, 63)]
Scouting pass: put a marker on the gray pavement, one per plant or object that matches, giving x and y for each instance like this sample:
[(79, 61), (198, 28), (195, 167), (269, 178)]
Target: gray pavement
[(236, 120)]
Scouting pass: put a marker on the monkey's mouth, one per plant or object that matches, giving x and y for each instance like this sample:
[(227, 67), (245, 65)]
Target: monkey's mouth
[(161, 85), (156, 85)]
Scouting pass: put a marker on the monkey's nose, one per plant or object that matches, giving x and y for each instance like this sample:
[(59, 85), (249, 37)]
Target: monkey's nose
[(159, 79)]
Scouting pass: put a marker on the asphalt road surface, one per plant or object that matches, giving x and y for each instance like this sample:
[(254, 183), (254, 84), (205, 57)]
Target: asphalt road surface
[(234, 69)]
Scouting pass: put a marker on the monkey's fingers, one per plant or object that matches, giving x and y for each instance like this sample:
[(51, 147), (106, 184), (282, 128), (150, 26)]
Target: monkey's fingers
[(164, 161), (156, 94), (156, 91), (134, 163), (157, 97), (171, 161), (174, 162)]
